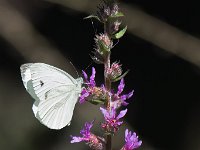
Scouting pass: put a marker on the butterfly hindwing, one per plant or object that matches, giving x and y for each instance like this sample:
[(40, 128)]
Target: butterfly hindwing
[(55, 112)]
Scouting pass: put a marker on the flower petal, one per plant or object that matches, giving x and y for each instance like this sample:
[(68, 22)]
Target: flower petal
[(76, 139), (104, 112), (85, 75), (121, 86), (126, 132), (129, 95), (122, 114), (124, 103), (92, 77), (84, 94), (112, 113)]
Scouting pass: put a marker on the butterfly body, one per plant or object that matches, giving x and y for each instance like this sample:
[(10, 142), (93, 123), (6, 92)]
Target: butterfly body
[(55, 93)]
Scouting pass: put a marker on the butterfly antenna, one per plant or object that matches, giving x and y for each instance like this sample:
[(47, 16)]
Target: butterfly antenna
[(116, 43), (95, 30), (74, 68), (88, 65)]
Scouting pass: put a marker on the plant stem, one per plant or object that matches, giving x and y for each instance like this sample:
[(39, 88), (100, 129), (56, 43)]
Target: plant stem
[(107, 83), (108, 88), (107, 80), (109, 142)]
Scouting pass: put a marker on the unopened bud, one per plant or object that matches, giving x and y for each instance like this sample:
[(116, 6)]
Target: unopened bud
[(103, 40), (115, 9), (95, 143), (114, 71)]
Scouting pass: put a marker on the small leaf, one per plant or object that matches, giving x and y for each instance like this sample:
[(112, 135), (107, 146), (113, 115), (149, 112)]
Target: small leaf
[(97, 101), (119, 14), (120, 33), (92, 16), (120, 77)]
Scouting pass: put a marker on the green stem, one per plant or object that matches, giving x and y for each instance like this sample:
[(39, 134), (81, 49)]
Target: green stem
[(107, 80), (108, 88)]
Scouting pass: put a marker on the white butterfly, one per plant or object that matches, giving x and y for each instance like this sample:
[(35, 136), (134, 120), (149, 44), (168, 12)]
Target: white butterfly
[(55, 93)]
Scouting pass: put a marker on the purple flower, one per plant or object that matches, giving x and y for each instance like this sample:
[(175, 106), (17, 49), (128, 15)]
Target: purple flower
[(119, 99), (86, 92), (92, 78), (86, 135), (131, 141), (112, 122), (92, 140), (91, 91)]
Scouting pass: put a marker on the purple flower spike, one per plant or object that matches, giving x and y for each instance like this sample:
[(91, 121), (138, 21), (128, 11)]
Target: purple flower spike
[(112, 122), (131, 141)]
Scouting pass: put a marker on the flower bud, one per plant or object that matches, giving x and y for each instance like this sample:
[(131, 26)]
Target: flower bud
[(114, 71), (115, 26), (104, 12), (95, 143), (103, 43), (114, 9)]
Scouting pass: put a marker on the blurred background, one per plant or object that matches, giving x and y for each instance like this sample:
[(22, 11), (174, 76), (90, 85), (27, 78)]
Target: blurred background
[(161, 48)]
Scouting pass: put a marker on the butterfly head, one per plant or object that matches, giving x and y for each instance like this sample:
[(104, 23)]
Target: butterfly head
[(79, 80), (79, 83)]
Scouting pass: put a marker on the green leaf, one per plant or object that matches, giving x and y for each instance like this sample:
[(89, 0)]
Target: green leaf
[(97, 101), (120, 77), (120, 33), (92, 16), (119, 14)]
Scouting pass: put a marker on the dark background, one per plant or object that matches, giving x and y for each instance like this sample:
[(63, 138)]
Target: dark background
[(165, 108)]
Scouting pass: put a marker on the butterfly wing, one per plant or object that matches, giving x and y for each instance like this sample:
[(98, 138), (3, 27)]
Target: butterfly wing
[(55, 93), (57, 110)]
